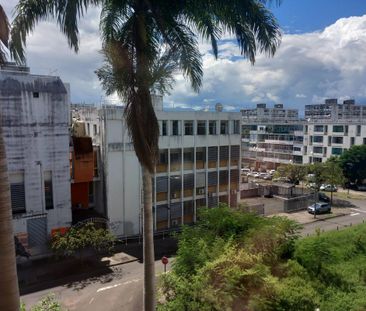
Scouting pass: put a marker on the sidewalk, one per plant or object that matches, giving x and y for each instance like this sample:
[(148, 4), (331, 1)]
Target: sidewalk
[(303, 217)]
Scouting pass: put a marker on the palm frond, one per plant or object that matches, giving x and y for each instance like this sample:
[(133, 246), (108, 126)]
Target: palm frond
[(30, 12), (4, 34)]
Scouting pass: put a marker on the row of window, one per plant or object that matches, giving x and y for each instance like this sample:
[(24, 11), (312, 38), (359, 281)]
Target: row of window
[(334, 140), (199, 127), (17, 192), (336, 129)]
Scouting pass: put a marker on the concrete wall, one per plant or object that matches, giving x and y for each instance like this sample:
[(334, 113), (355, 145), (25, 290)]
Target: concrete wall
[(35, 115)]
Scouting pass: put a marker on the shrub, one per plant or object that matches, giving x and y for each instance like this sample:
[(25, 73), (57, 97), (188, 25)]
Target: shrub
[(85, 237)]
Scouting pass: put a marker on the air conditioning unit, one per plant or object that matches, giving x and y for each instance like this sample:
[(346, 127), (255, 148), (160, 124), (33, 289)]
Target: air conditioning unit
[(201, 191), (210, 194), (233, 191), (174, 222), (173, 195)]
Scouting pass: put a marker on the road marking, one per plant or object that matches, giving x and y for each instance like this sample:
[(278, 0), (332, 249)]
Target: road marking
[(91, 300), (116, 285), (354, 214), (358, 210)]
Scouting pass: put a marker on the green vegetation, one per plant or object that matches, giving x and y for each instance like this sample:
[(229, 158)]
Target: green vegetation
[(353, 162), (87, 237), (48, 303), (234, 261)]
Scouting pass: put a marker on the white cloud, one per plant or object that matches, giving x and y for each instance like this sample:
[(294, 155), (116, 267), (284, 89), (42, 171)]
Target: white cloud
[(328, 63)]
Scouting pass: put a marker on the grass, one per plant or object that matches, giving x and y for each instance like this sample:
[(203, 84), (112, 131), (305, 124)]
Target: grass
[(345, 196)]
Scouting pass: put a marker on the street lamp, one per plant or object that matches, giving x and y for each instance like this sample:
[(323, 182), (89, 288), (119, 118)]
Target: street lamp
[(350, 165)]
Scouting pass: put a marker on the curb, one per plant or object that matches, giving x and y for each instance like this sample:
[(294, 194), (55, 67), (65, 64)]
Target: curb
[(324, 219)]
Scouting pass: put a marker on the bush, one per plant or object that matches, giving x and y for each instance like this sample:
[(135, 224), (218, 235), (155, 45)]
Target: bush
[(86, 237), (47, 303)]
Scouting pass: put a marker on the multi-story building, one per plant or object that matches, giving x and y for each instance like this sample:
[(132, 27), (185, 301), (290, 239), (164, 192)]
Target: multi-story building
[(34, 114), (330, 128), (199, 162), (271, 137)]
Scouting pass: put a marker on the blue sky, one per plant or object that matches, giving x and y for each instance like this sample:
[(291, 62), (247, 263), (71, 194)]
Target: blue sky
[(322, 55), (300, 16)]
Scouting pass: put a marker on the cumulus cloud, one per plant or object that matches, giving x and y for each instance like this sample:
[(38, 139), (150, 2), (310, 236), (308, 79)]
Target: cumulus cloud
[(307, 67)]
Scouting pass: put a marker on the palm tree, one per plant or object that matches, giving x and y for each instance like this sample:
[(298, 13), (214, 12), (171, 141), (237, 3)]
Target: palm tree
[(141, 28), (9, 292)]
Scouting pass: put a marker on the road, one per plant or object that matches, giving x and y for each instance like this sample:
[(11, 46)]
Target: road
[(119, 290), (122, 288)]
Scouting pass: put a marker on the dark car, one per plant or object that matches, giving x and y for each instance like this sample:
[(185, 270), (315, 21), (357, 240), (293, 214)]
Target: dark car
[(323, 198)]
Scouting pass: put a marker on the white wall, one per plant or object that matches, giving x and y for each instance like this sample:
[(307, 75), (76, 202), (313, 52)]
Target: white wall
[(36, 135)]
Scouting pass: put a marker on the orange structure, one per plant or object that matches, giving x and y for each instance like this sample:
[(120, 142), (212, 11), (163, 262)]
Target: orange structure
[(82, 169)]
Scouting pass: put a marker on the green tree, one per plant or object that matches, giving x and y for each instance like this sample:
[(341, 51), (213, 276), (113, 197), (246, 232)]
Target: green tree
[(316, 178), (9, 292), (140, 28), (352, 161), (333, 174), (295, 173)]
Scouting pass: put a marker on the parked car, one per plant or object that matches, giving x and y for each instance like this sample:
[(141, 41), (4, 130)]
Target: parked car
[(323, 198), (262, 175), (267, 177), (245, 171), (282, 179), (319, 208), (271, 172), (327, 187), (357, 187)]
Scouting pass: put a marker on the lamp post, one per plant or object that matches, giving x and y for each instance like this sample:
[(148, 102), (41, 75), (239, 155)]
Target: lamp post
[(349, 165)]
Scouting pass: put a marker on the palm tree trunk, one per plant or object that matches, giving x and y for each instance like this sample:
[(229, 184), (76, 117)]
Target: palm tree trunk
[(149, 260), (9, 291)]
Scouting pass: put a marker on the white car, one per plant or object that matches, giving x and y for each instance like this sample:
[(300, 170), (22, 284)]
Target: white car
[(327, 187)]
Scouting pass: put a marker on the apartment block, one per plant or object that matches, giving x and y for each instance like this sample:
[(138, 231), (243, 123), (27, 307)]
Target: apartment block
[(331, 128), (199, 163), (35, 123), (271, 137)]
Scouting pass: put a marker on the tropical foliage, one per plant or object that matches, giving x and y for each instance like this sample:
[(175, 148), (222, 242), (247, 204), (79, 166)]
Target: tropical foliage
[(77, 239), (353, 165), (263, 265)]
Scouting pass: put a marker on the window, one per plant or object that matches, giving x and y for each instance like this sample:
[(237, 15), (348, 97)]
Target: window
[(352, 141), (318, 139), (223, 127), (337, 140), (163, 157), (319, 128), (17, 192), (201, 127), (346, 130), (358, 131), (35, 94), (236, 127), (91, 193), (88, 129), (164, 128), (364, 140), (48, 192), (337, 151), (96, 167), (188, 127), (95, 129), (212, 127), (338, 128), (318, 149), (175, 127)]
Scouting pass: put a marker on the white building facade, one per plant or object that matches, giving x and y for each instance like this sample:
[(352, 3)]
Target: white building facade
[(199, 163), (331, 128), (271, 137), (35, 122)]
